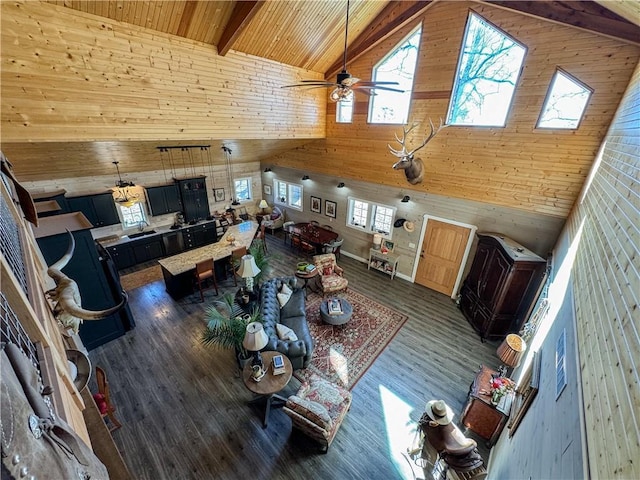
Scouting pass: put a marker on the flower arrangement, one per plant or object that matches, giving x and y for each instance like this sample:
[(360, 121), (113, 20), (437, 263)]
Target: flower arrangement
[(500, 386)]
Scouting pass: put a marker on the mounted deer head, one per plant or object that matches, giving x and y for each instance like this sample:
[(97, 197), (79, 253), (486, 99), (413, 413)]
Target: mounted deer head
[(413, 167)]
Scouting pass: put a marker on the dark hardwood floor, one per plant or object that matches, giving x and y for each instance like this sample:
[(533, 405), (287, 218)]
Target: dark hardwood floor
[(184, 407)]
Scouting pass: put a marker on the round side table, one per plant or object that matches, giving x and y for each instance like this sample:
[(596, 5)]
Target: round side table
[(269, 385), (306, 276)]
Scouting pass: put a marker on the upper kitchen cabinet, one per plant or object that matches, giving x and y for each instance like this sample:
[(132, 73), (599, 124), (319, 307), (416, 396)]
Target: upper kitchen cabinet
[(100, 209), (163, 199), (193, 194)]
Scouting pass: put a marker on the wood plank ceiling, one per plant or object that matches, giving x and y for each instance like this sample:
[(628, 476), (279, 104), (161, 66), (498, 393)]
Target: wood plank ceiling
[(302, 33)]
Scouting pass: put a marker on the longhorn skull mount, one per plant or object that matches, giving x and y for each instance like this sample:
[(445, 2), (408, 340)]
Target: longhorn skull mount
[(413, 167), (68, 308)]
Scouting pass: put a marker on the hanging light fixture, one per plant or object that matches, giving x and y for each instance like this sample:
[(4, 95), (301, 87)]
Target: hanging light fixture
[(125, 197), (232, 190)]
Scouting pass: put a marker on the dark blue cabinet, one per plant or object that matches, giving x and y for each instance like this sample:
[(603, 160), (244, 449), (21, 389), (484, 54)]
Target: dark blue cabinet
[(193, 195), (163, 199), (87, 271), (100, 209)]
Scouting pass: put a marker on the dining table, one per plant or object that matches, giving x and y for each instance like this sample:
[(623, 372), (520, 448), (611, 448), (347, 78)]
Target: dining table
[(314, 234)]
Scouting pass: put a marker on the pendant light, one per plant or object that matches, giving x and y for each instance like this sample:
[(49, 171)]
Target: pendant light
[(124, 198)]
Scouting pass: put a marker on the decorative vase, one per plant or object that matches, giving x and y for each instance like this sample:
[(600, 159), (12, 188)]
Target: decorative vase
[(495, 398)]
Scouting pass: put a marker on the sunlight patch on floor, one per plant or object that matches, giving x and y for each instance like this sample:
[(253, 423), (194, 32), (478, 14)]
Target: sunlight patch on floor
[(400, 430)]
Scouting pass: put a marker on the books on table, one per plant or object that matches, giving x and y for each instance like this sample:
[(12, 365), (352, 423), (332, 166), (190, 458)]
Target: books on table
[(334, 306)]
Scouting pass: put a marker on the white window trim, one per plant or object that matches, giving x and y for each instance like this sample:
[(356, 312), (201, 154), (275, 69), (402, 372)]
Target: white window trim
[(235, 192), (368, 228), (287, 203), (126, 225), (561, 72), (409, 93)]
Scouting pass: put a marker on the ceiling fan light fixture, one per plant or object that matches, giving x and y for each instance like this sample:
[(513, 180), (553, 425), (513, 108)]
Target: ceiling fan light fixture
[(341, 93)]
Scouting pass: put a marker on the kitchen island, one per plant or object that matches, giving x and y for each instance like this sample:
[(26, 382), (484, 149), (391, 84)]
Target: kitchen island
[(178, 270)]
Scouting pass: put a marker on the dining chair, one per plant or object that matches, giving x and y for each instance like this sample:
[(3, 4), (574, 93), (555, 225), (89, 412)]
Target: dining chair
[(328, 227), (234, 262), (334, 247), (205, 270), (103, 400), (260, 235)]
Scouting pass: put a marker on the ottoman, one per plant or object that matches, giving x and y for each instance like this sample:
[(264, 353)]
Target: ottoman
[(336, 319)]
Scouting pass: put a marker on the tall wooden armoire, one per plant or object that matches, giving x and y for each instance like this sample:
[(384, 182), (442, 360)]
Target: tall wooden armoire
[(504, 281)]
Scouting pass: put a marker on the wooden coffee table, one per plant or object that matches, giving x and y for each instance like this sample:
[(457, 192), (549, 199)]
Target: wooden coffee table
[(269, 385)]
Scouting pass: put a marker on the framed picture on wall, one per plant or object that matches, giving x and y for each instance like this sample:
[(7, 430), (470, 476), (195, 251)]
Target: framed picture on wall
[(267, 189), (218, 194), (316, 204), (330, 208)]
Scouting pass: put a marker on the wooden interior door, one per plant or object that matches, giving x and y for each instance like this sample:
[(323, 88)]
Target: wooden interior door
[(441, 255)]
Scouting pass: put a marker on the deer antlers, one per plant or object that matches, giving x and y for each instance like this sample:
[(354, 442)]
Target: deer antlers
[(405, 131), (413, 168)]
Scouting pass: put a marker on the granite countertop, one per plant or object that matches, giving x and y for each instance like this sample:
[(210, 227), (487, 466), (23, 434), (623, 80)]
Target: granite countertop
[(185, 261), (112, 240)]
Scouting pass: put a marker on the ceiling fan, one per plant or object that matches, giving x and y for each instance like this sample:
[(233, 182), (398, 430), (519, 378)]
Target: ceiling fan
[(345, 84)]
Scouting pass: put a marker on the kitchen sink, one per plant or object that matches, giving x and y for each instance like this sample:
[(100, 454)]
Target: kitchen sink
[(141, 234)]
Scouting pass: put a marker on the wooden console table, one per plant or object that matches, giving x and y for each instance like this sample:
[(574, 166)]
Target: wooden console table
[(384, 262), (479, 414)]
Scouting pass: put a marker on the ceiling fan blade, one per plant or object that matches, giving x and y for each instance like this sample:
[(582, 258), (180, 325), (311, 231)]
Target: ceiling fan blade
[(319, 84), (379, 83), (317, 81), (374, 87)]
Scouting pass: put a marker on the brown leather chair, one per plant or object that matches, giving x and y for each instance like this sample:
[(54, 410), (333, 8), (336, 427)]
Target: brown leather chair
[(103, 389), (205, 270)]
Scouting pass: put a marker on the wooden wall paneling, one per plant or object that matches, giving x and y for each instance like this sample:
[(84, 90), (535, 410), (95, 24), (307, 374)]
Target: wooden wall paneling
[(157, 66), (597, 279)]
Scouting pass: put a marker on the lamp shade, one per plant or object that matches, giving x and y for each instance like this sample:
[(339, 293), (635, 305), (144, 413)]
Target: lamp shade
[(248, 267), (255, 338), (511, 349), (263, 204)]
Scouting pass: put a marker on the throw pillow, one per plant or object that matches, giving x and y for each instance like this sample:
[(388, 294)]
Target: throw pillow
[(283, 298), (327, 270), (285, 333), (286, 289), (312, 411)]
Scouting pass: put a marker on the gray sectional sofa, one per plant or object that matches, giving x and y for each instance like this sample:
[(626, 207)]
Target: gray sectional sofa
[(292, 314)]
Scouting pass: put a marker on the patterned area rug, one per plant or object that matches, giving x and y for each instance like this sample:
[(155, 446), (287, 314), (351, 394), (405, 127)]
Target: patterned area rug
[(343, 353), (141, 277)]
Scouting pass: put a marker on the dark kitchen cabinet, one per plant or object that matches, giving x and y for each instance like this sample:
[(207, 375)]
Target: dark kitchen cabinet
[(147, 249), (163, 199), (86, 270), (199, 235), (122, 255), (100, 209), (503, 283), (193, 195)]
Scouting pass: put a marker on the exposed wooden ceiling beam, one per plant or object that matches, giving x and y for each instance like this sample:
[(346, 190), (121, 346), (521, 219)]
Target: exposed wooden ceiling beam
[(629, 9), (395, 15), (242, 14), (588, 15)]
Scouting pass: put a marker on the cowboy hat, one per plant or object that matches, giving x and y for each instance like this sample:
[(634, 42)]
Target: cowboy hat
[(409, 226), (439, 412), (399, 222)]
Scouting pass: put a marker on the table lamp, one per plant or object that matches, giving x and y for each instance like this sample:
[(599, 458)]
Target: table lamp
[(248, 269), (263, 204), (510, 352), (255, 339)]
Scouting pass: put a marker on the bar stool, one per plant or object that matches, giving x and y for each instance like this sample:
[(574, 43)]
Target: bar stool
[(204, 271), (234, 262)]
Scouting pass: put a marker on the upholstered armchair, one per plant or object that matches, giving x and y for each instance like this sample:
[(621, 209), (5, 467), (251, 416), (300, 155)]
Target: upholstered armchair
[(318, 409), (275, 220), (331, 274)]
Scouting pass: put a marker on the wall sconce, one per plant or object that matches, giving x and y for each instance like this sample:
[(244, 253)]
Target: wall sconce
[(341, 185), (267, 170), (405, 199), (305, 177)]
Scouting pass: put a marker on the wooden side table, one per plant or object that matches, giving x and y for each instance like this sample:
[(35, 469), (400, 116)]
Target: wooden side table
[(306, 276), (269, 385), (479, 414)]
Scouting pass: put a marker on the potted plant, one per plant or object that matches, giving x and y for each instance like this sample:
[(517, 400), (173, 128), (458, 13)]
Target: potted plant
[(262, 260), (226, 330)]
